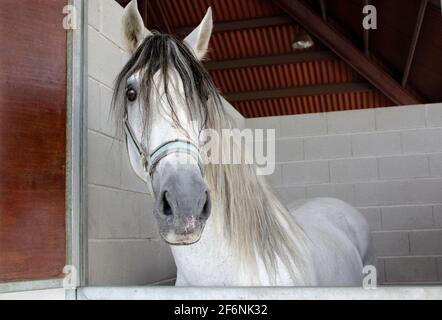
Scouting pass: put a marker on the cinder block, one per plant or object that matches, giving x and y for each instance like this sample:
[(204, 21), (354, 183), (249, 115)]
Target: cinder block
[(367, 194), (94, 106), (94, 14), (112, 14), (437, 213), (329, 147), (289, 150), (436, 165), (403, 117), (116, 214), (103, 70), (312, 172), (108, 123), (275, 179), (125, 56), (391, 243), (129, 262), (353, 170), (104, 160), (344, 192), (375, 144), (423, 191), (439, 264), (373, 217), (304, 125), (422, 141), (288, 195), (411, 269), (402, 167), (265, 123), (380, 269), (407, 217), (351, 121), (426, 242), (398, 192), (434, 115)]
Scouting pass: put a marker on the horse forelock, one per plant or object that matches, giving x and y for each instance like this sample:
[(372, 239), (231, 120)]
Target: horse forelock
[(155, 61)]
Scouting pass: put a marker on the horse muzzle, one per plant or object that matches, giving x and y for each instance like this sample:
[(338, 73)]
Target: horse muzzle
[(185, 234), (182, 206)]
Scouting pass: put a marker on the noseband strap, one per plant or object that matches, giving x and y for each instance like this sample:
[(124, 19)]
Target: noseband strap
[(173, 146), (150, 162)]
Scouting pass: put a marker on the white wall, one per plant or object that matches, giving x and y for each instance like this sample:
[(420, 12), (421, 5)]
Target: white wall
[(124, 246), (387, 162)]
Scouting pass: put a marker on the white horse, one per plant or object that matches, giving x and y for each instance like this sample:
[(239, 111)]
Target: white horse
[(223, 222)]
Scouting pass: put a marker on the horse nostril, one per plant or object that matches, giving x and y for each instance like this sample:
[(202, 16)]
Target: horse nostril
[(167, 210), (207, 206)]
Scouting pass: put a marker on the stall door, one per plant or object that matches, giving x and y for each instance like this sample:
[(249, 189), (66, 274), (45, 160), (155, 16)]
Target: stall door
[(32, 139)]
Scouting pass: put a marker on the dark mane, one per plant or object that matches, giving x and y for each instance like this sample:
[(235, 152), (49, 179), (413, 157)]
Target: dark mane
[(163, 53)]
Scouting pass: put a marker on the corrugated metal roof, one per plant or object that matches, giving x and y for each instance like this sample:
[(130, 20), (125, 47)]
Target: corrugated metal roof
[(253, 42), (269, 41), (183, 13), (284, 76)]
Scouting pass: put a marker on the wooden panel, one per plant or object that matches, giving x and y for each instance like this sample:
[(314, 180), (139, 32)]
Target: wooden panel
[(32, 139)]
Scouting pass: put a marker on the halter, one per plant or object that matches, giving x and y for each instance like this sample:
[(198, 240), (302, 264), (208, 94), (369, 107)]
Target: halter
[(150, 162)]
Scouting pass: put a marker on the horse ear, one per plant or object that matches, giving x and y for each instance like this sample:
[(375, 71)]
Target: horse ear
[(199, 38), (134, 31)]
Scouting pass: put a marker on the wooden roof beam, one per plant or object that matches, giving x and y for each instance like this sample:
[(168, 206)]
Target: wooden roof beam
[(347, 51), (241, 24), (270, 60), (299, 91), (415, 39)]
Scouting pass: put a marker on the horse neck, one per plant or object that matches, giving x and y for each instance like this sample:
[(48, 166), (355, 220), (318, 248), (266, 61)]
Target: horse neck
[(210, 261)]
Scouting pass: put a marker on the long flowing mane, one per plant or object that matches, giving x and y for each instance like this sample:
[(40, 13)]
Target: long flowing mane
[(258, 227)]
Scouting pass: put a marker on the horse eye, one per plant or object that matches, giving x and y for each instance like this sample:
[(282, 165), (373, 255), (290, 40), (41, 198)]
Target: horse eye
[(131, 95)]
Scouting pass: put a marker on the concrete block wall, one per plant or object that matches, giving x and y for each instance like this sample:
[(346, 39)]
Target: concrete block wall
[(387, 162), (124, 245)]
